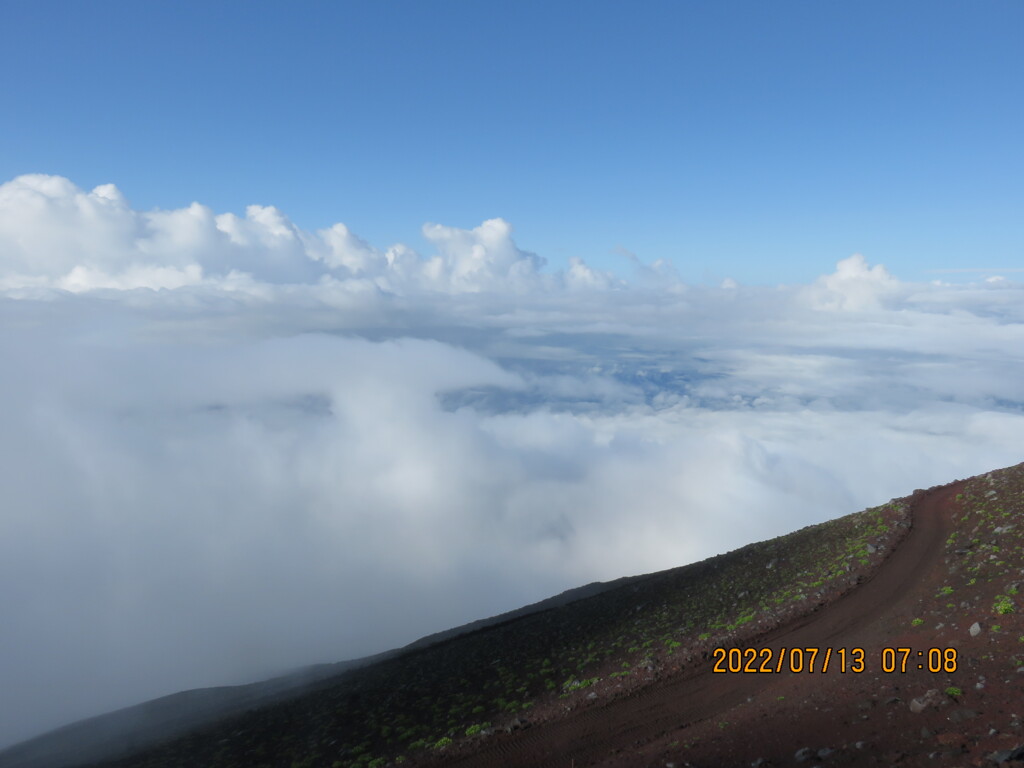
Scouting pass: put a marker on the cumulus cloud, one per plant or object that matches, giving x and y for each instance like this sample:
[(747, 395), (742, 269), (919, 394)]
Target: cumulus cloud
[(300, 447), (53, 234), (854, 286)]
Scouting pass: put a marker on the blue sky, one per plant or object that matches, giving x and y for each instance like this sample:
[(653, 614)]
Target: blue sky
[(758, 141)]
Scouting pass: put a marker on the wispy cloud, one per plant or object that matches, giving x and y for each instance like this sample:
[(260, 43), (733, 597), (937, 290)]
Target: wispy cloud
[(231, 446)]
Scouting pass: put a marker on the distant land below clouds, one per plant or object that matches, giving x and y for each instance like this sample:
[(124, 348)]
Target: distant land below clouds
[(231, 447)]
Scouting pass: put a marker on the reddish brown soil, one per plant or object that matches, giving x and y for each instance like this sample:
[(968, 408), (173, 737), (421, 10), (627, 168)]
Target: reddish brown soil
[(696, 717)]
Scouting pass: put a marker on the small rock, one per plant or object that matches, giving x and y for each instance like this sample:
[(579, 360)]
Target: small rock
[(960, 714), (803, 754), (1006, 755), (592, 695), (758, 763), (824, 752), (975, 629), (860, 744), (930, 699), (871, 548)]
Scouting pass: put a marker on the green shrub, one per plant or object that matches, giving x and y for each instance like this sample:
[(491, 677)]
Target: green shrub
[(1003, 604), (473, 730)]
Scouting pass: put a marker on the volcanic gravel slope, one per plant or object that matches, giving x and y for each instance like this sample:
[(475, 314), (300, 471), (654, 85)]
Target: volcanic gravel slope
[(624, 677), (960, 566)]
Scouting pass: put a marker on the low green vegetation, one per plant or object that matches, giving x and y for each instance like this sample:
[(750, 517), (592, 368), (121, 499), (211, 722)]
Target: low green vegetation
[(1003, 605), (473, 730)]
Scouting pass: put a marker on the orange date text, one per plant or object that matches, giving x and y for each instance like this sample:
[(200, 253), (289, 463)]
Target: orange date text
[(822, 660)]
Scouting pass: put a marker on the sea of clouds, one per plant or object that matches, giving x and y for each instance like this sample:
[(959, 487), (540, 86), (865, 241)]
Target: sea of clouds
[(230, 447)]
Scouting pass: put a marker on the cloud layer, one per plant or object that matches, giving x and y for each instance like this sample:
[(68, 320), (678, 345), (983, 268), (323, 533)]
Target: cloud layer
[(53, 234), (231, 447)]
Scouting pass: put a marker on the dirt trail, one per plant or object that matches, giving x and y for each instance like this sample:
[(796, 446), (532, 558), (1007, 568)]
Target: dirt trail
[(597, 733)]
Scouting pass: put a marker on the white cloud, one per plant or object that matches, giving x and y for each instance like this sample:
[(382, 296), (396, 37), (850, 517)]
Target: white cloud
[(581, 277), (307, 447), (348, 251), (854, 286), (483, 258), (54, 234)]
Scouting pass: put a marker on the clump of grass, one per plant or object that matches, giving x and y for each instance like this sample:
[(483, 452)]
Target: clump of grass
[(1003, 605), (473, 730)]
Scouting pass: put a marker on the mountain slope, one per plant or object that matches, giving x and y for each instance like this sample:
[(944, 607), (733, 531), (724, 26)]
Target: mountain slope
[(622, 677), (133, 729), (949, 596)]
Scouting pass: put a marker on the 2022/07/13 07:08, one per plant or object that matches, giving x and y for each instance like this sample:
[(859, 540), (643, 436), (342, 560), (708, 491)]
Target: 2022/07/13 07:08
[(855, 660)]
